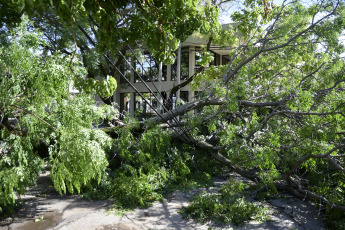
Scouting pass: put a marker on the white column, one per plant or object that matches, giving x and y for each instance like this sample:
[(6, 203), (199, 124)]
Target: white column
[(159, 96), (192, 62), (178, 70)]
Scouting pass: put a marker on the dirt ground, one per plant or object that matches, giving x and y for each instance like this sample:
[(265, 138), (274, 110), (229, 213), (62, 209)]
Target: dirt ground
[(44, 209)]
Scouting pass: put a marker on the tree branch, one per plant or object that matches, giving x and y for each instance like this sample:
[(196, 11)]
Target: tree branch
[(307, 157), (262, 50)]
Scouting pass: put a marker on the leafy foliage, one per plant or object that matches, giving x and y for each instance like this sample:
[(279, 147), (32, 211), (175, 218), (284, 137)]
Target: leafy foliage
[(145, 167), (283, 93), (78, 157), (153, 22), (37, 109), (274, 114), (229, 206)]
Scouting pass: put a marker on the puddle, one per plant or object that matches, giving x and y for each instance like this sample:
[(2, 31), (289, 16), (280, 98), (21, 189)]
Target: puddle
[(49, 220)]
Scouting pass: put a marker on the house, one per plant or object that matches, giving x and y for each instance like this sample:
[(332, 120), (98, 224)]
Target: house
[(171, 75)]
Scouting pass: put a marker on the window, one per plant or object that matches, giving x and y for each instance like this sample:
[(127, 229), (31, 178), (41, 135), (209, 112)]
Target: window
[(141, 105), (184, 65), (216, 59), (225, 59), (148, 69), (198, 58), (184, 96)]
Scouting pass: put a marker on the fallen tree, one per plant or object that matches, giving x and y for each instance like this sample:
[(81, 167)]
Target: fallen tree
[(274, 114)]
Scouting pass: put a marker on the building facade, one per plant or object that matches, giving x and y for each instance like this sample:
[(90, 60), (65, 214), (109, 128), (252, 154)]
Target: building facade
[(160, 79)]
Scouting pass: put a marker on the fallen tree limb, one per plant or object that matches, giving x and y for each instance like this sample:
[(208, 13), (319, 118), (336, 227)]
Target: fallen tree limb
[(202, 103), (294, 187), (307, 157), (184, 109), (302, 192), (214, 153)]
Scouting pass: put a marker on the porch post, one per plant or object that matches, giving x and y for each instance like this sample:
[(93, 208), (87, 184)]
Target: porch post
[(159, 96), (178, 70)]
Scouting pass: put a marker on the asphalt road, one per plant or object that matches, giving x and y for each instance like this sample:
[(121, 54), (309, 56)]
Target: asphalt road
[(44, 209)]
